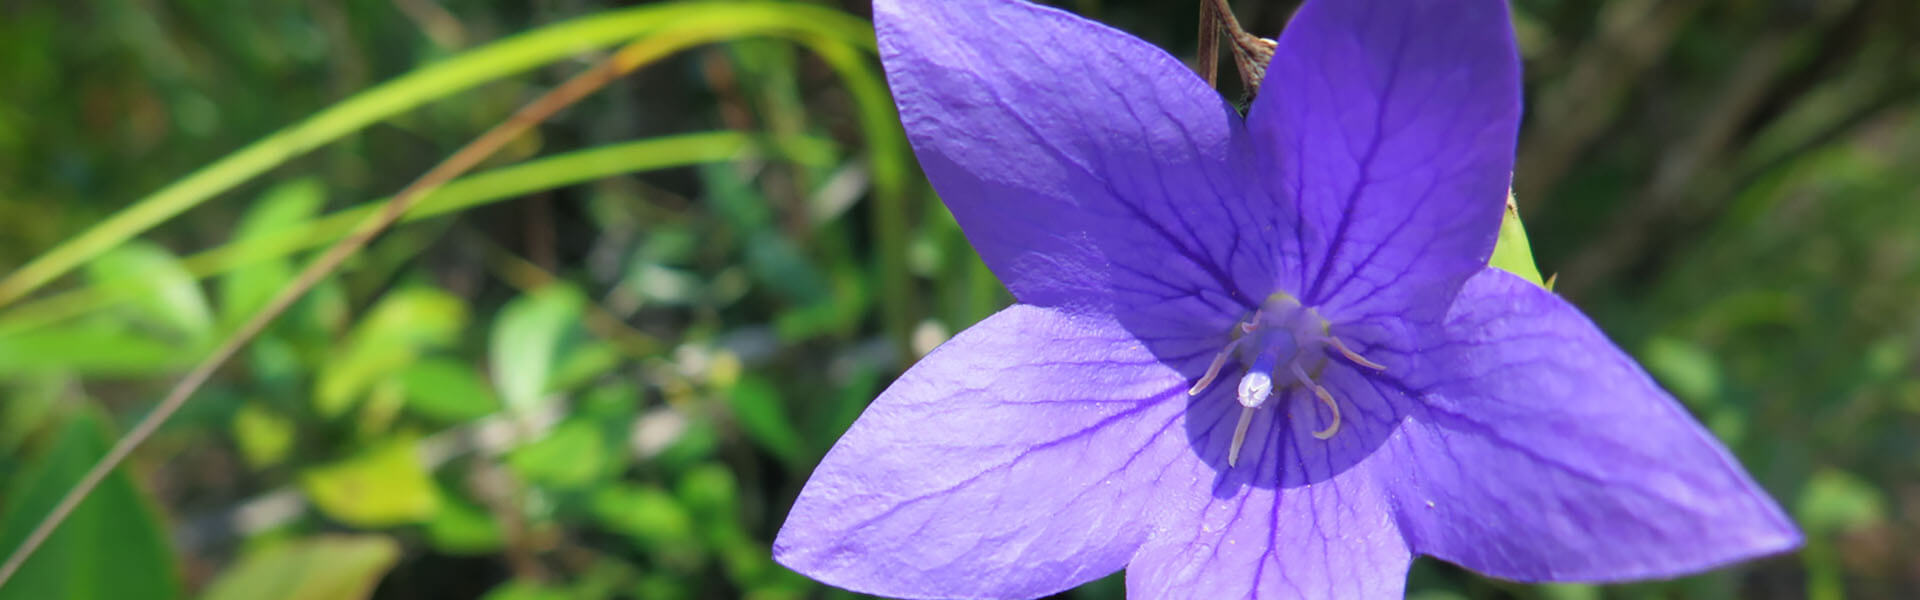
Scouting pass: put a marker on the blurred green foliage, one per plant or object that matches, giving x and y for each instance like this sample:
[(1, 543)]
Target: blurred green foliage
[(602, 365)]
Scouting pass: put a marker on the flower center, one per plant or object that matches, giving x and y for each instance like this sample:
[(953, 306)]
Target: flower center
[(1286, 340)]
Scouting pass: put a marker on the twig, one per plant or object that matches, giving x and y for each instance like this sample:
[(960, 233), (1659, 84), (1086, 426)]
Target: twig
[(1207, 61), (620, 63), (1588, 98), (1251, 53)]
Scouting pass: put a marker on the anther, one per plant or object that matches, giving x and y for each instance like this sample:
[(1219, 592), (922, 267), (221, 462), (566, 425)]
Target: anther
[(1354, 356)]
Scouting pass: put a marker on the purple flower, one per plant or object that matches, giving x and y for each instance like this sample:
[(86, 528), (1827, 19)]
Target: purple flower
[(1259, 357)]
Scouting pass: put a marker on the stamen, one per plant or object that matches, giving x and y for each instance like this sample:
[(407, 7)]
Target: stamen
[(1213, 370), (1354, 356), (1325, 398), (1239, 436), (1220, 360)]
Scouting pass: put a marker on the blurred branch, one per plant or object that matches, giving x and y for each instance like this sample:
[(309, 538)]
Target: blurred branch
[(1697, 180), (1570, 116), (439, 25), (892, 175), (1742, 92)]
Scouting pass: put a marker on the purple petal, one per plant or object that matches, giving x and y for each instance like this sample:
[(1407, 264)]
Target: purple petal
[(1393, 123), (1297, 518), (1016, 460), (1544, 453), (1087, 167)]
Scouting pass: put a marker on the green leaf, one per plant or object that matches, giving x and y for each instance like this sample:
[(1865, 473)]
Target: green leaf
[(464, 528), (110, 548), (572, 456), (384, 486), (389, 339), (757, 407), (526, 342), (527, 590), (1512, 252), (265, 437), (651, 518), (30, 403), (583, 363), (1686, 368), (1836, 501), (333, 567), (1568, 591), (283, 208), (447, 390), (160, 288), (95, 347)]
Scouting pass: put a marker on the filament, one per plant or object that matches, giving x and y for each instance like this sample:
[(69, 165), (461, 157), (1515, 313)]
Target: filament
[(1239, 436), (1325, 398), (1354, 356), (1213, 370)]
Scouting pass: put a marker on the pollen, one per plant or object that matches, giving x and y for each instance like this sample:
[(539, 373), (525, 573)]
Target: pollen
[(1282, 345)]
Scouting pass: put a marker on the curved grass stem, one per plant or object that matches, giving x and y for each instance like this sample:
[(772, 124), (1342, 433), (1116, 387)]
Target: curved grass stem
[(488, 63), (461, 194)]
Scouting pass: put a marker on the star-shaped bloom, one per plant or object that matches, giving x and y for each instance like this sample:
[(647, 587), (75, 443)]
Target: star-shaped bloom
[(1259, 357)]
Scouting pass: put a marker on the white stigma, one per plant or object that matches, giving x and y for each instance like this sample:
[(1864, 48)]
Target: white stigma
[(1255, 388)]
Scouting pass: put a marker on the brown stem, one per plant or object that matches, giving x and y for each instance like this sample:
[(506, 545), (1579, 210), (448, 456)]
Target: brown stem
[(1207, 62), (1251, 53)]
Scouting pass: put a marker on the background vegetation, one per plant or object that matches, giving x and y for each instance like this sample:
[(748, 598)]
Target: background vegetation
[(602, 365)]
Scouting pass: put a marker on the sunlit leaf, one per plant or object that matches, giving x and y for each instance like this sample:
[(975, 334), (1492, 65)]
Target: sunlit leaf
[(93, 347), (387, 340), (157, 285), (383, 486), (244, 290), (264, 437), (1513, 253), (1835, 501), (526, 342), (447, 390), (334, 567), (573, 455)]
